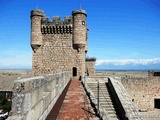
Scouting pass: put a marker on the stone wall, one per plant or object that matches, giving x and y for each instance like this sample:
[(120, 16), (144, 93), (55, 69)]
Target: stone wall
[(56, 56), (143, 90), (33, 98), (152, 73), (90, 66)]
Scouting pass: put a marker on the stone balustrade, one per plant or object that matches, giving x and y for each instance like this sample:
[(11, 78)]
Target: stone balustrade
[(127, 106), (33, 98)]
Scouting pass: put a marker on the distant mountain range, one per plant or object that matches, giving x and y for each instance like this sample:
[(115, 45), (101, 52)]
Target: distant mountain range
[(104, 66)]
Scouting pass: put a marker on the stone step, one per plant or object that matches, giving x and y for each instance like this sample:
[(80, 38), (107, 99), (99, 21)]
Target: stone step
[(100, 91), (109, 107), (100, 87), (102, 95), (104, 99), (106, 103), (114, 117), (111, 112), (95, 118), (95, 85)]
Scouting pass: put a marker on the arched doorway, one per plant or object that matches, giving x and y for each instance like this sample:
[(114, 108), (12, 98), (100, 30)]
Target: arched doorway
[(74, 71)]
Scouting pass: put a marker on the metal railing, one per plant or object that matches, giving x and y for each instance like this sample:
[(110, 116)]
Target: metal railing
[(101, 111)]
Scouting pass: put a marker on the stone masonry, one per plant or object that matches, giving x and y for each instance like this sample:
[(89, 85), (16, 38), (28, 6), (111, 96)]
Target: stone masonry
[(59, 45), (143, 91), (90, 66)]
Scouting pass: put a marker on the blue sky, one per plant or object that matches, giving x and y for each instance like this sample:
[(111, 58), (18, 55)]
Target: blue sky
[(123, 34)]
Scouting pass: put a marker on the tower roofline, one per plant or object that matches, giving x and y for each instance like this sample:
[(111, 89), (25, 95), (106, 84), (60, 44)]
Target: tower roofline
[(79, 12), (37, 13)]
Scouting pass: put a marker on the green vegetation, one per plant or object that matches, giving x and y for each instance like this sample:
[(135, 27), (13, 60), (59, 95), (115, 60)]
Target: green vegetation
[(5, 105)]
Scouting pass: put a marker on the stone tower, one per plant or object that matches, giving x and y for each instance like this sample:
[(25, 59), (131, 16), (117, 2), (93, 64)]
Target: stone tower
[(36, 36), (79, 38), (59, 45)]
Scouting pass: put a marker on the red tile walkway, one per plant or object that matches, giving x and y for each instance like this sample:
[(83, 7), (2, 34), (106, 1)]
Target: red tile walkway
[(75, 105)]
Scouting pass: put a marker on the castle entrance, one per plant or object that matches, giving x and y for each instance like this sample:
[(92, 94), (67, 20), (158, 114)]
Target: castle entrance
[(74, 71), (157, 103)]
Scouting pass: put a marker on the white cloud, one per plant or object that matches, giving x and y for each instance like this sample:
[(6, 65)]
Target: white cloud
[(128, 62)]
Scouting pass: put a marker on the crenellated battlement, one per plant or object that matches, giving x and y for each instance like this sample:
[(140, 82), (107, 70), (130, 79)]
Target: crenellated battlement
[(57, 21), (56, 26)]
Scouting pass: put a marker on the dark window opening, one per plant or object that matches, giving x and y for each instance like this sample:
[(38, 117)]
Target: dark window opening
[(157, 103), (74, 71)]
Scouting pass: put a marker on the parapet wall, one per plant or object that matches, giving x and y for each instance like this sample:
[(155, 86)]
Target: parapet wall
[(90, 66), (143, 90), (56, 26), (33, 98), (128, 109), (152, 73)]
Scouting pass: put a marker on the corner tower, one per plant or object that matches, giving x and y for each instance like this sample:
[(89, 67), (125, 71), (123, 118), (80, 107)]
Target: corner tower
[(36, 35), (79, 29), (80, 39)]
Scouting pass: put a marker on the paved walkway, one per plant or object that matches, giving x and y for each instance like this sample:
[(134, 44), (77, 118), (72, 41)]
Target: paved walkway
[(75, 105)]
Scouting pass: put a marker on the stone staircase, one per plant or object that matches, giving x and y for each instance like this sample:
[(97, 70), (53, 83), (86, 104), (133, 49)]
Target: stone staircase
[(105, 98)]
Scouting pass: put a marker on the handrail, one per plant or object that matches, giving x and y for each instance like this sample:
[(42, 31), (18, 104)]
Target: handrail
[(102, 112)]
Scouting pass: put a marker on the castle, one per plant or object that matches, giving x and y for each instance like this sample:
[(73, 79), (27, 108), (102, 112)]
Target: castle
[(59, 55), (60, 45)]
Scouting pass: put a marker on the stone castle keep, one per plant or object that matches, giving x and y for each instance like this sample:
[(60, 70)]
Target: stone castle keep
[(59, 55), (60, 45)]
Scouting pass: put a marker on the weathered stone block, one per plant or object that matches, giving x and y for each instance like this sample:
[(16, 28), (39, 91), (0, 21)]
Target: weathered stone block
[(36, 96), (27, 103), (46, 99)]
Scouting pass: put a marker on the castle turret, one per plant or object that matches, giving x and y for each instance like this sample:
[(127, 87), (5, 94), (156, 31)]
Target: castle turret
[(80, 39), (79, 29), (36, 35)]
